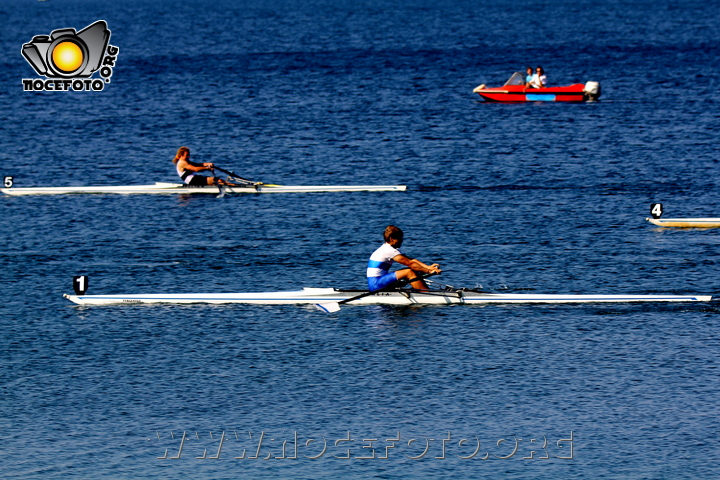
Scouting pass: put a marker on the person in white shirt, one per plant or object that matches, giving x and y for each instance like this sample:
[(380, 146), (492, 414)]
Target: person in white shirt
[(188, 170), (378, 269), (539, 80)]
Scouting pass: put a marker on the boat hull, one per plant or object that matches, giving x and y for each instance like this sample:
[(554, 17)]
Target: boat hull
[(686, 222), (521, 93), (325, 295), (178, 188)]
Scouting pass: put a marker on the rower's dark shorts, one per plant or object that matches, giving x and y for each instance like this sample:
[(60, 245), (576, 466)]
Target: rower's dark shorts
[(376, 283), (198, 181)]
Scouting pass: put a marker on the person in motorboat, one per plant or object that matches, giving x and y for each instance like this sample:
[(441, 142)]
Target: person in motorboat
[(187, 170), (378, 269), (529, 76), (539, 80)]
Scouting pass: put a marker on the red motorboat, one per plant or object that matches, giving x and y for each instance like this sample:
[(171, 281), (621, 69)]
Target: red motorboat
[(515, 90)]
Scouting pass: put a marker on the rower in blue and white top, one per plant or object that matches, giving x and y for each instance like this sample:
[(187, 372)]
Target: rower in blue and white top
[(378, 271)]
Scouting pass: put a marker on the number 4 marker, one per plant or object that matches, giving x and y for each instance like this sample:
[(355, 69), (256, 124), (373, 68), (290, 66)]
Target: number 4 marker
[(656, 210)]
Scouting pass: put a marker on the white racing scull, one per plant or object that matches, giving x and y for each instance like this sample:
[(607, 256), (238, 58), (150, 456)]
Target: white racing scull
[(393, 297), (175, 188)]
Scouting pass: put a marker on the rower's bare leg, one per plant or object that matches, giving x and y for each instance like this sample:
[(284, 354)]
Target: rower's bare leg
[(419, 284)]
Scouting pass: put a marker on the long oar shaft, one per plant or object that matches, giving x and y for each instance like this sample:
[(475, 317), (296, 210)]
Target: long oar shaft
[(393, 286), (335, 306), (236, 176)]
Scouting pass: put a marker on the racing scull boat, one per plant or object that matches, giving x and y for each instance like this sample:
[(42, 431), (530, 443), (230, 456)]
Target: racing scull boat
[(168, 188), (656, 210), (685, 222), (392, 297)]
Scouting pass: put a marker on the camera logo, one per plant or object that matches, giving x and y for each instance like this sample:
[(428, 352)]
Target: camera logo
[(68, 59)]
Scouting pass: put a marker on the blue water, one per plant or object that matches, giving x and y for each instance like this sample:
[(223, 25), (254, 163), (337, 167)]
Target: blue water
[(539, 197)]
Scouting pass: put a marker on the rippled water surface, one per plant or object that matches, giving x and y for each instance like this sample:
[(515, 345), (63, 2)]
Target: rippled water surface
[(540, 197)]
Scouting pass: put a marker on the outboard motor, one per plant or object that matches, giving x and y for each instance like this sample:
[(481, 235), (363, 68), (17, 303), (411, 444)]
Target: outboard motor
[(592, 90)]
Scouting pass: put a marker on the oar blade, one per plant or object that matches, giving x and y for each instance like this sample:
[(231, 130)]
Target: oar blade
[(330, 307)]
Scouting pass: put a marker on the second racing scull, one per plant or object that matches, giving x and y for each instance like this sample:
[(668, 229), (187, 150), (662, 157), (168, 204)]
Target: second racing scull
[(685, 222), (656, 210)]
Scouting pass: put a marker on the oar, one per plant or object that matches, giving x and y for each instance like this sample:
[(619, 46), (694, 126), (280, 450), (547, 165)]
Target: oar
[(446, 287), (332, 307), (237, 177)]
